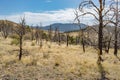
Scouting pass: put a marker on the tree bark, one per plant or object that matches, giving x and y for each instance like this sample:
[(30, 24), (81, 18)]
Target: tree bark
[(59, 40), (100, 35), (83, 44), (67, 40), (116, 32), (109, 45), (20, 55), (115, 44)]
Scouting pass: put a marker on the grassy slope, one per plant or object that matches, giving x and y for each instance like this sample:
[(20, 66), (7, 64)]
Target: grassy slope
[(53, 62)]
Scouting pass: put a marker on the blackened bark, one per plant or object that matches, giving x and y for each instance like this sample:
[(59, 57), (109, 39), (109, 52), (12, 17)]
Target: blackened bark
[(59, 40), (67, 40), (115, 44), (76, 40), (50, 34), (116, 32), (83, 45), (100, 35), (109, 45), (20, 54)]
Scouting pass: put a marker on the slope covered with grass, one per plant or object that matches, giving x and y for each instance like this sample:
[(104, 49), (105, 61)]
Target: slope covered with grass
[(53, 62)]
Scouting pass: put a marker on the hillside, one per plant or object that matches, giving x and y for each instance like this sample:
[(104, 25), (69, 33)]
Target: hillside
[(10, 22), (64, 27)]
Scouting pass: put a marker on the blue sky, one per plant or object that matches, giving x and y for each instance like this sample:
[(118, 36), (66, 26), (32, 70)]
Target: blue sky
[(42, 11), (39, 11), (18, 6)]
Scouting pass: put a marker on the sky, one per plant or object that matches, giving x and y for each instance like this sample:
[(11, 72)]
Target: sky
[(40, 11), (19, 6)]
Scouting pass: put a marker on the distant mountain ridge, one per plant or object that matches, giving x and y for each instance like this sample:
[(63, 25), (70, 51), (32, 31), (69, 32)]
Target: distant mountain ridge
[(64, 27)]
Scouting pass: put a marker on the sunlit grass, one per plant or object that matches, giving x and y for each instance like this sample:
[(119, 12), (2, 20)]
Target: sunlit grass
[(57, 60)]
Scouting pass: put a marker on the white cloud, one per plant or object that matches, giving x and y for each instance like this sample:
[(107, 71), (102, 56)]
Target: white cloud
[(47, 17), (116, 0)]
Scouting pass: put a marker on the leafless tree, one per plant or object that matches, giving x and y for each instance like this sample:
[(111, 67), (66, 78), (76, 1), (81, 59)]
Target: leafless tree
[(67, 39), (107, 38), (32, 30), (38, 36), (59, 37), (20, 31), (50, 34), (5, 28), (99, 15), (55, 38), (114, 7), (81, 31)]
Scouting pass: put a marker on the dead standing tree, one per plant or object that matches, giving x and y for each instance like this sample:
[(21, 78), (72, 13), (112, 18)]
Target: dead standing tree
[(55, 38), (32, 32), (81, 30), (38, 36), (50, 34), (107, 39), (20, 31), (114, 7), (67, 39), (5, 28), (59, 37), (99, 14)]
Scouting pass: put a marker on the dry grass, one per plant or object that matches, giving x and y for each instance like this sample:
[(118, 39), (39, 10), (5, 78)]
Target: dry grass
[(53, 62)]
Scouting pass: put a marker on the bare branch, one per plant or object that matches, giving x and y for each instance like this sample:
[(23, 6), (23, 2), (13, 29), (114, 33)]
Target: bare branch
[(85, 3), (103, 4), (91, 2), (106, 12), (90, 14)]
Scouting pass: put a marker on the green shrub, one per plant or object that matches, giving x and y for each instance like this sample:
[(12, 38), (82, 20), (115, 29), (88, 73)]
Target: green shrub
[(15, 42), (32, 44), (44, 36), (14, 36)]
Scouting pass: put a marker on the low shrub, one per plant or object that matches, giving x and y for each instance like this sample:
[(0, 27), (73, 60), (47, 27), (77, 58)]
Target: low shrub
[(15, 42), (14, 36), (32, 44)]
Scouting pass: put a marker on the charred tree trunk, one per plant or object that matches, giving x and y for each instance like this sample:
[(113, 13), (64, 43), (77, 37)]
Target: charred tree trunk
[(100, 35), (20, 54), (116, 31), (41, 37), (59, 40), (108, 47), (115, 44), (76, 40), (67, 40), (41, 43), (83, 44), (55, 38), (32, 34), (50, 34)]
